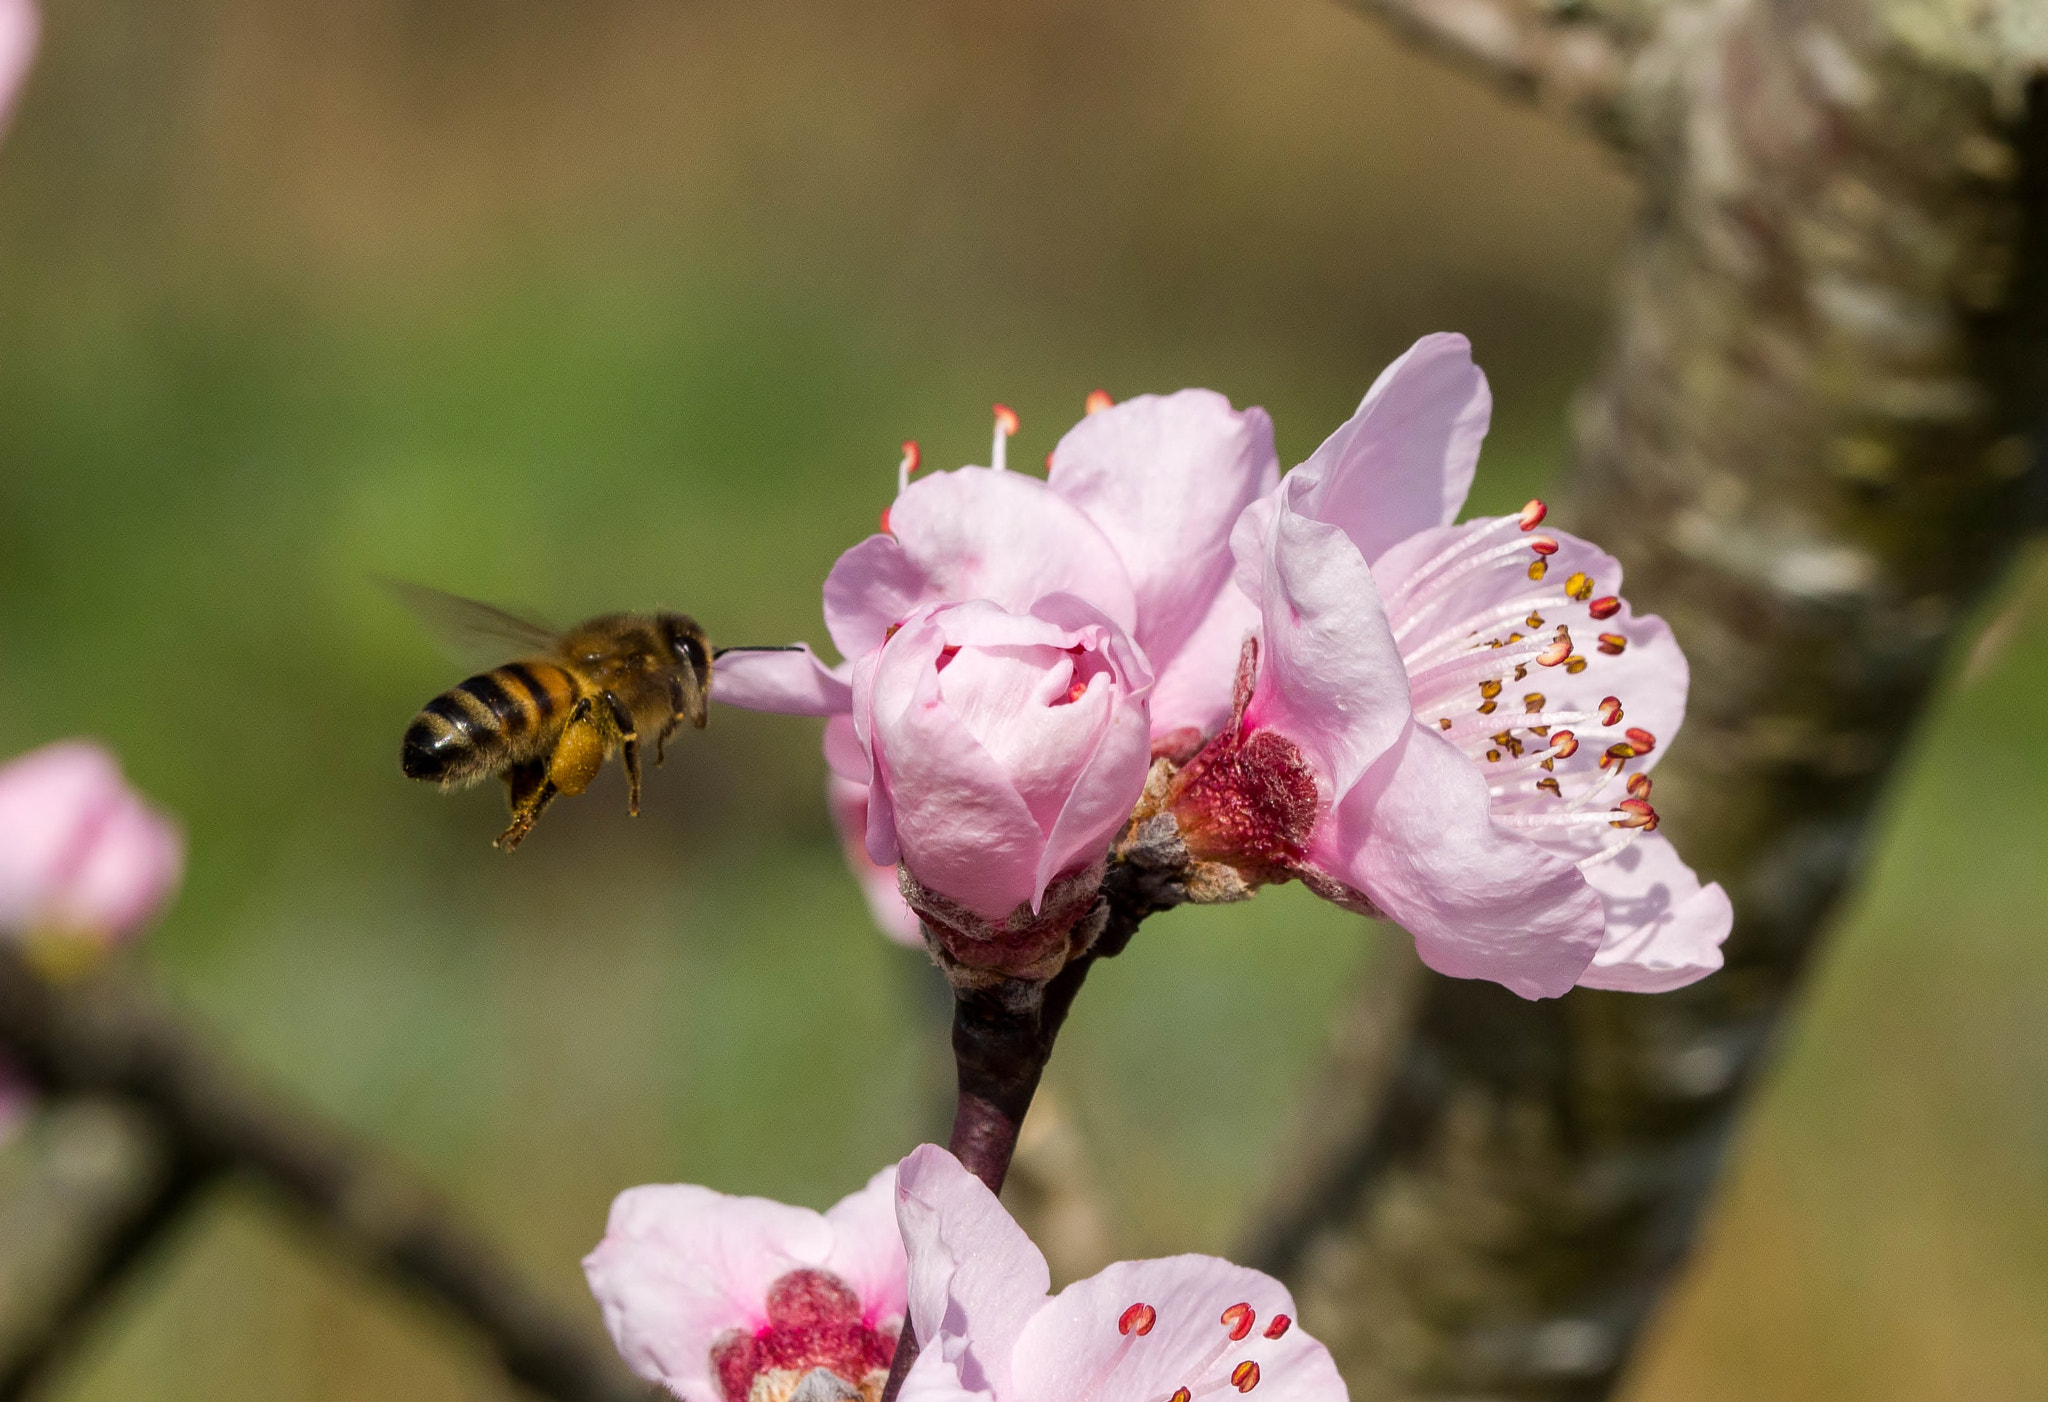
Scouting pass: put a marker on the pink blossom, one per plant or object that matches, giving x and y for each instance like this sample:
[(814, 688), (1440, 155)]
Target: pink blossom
[(1005, 750), (20, 29), (846, 794), (734, 1299), (81, 853), (1458, 721), (1133, 521), (1166, 1330)]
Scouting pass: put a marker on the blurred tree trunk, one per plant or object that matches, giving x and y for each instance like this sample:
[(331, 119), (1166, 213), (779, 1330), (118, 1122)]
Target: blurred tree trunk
[(1813, 443)]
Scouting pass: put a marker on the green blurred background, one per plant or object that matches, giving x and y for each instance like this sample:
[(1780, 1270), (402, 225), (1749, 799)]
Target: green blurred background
[(628, 302)]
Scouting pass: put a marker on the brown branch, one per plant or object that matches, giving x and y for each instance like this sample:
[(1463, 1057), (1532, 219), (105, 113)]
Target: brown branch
[(1815, 444), (1559, 56), (103, 1038)]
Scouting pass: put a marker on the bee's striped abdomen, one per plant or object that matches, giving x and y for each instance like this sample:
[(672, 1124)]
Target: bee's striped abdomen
[(492, 720)]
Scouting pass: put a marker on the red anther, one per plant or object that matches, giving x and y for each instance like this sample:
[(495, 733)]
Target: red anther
[(892, 630), (1579, 586), (1239, 1319), (885, 520), (1138, 1319), (1245, 1376), (912, 457), (1543, 545), (1077, 691), (1555, 653), (1643, 740), (1098, 400), (1564, 745), (1182, 1395), (1636, 814), (1604, 607), (1639, 786), (1278, 1326), (1612, 644), (1610, 710), (1617, 755), (1533, 514), (1006, 420)]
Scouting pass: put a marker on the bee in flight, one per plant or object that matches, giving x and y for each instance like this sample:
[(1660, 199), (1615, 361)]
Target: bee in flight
[(548, 721)]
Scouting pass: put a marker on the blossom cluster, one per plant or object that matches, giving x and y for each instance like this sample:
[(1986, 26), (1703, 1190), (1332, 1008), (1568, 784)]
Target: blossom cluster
[(1317, 677)]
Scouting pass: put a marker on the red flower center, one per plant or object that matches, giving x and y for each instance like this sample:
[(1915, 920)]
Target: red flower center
[(814, 1321)]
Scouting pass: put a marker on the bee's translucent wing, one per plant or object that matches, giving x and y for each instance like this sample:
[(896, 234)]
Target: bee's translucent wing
[(472, 633)]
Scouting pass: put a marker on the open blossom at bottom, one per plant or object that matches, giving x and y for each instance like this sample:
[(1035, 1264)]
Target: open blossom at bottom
[(1175, 1329), (733, 1299)]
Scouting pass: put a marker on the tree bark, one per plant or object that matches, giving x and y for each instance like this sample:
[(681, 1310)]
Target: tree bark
[(1814, 444)]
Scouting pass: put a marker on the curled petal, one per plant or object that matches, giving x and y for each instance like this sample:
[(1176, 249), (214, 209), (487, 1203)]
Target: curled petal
[(974, 1276), (934, 1378), (1404, 462), (1330, 677), (1664, 930), (972, 534), (786, 683), (1165, 477), (1416, 836)]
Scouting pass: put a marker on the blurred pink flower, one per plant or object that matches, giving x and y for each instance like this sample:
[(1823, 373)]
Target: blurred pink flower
[(1452, 724), (730, 1299), (846, 793), (20, 28), (1004, 751), (81, 853), (1167, 1330)]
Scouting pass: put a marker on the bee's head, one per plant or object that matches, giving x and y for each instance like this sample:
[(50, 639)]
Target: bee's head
[(687, 644)]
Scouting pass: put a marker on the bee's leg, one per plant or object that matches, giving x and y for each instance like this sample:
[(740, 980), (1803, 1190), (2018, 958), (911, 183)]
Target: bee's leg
[(661, 741), (530, 791), (675, 707), (629, 749)]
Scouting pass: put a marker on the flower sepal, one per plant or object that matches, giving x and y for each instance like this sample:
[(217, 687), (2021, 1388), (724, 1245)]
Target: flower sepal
[(1029, 946)]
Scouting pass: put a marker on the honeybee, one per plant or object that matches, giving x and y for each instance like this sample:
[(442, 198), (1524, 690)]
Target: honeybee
[(548, 721)]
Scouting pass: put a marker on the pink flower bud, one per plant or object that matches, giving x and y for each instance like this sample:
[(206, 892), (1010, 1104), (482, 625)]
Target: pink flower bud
[(1007, 750), (81, 853)]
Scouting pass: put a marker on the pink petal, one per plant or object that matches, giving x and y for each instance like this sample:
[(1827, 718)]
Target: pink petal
[(786, 683), (1664, 930), (1194, 686), (1330, 678), (1417, 837), (975, 1278), (867, 1249), (958, 821), (973, 533), (679, 1265), (933, 1378), (20, 28), (1075, 1340), (1165, 478), (126, 874), (878, 885), (1404, 461)]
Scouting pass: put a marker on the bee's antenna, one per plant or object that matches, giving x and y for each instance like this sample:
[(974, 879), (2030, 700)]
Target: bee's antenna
[(717, 653)]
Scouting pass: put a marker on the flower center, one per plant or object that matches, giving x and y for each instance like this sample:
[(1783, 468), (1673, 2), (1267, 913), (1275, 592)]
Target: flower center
[(1471, 630), (814, 1323), (1205, 1374)]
